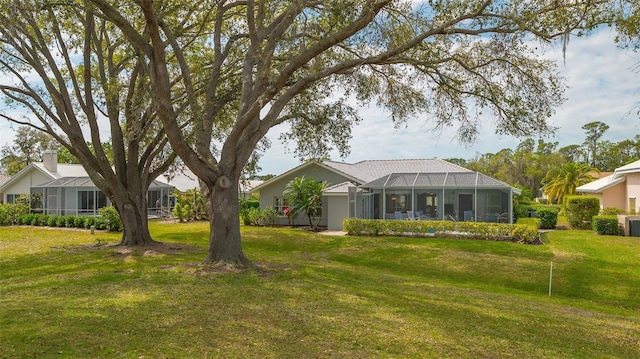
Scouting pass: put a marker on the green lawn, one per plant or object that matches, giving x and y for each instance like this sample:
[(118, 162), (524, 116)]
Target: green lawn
[(317, 296)]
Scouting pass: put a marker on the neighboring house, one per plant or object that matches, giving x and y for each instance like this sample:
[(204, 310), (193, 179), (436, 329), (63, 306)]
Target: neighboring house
[(621, 189), (3, 180), (184, 180), (427, 188), (61, 189)]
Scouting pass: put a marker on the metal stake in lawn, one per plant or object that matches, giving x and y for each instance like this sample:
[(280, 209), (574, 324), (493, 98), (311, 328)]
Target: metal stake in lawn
[(550, 276)]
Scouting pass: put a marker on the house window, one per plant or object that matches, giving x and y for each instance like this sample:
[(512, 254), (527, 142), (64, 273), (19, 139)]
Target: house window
[(279, 204), (632, 205), (11, 198), (101, 199), (86, 202)]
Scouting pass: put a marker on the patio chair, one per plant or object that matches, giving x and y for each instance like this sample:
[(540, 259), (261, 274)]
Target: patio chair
[(503, 218), (399, 215), (411, 216)]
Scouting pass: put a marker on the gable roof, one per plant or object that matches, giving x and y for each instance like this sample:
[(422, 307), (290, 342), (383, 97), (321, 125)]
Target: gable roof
[(63, 170), (4, 179), (618, 176), (434, 179), (632, 167), (370, 170)]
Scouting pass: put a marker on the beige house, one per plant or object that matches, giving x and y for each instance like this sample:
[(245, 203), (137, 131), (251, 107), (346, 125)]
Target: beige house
[(620, 189)]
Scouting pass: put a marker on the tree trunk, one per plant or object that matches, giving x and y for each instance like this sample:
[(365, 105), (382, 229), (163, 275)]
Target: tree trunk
[(135, 223), (225, 248)]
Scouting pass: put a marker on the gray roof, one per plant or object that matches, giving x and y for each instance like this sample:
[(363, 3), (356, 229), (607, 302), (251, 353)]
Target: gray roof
[(466, 179), (370, 170), (339, 188), (85, 181), (4, 179)]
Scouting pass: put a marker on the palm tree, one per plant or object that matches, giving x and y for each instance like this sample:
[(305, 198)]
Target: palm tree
[(305, 196), (563, 181)]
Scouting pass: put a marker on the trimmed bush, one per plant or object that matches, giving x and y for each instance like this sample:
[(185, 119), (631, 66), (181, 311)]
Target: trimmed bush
[(530, 221), (101, 223), (89, 221), (612, 211), (548, 217), (52, 221), (70, 221), (607, 225), (580, 210), (25, 219), (61, 221), (521, 233), (78, 222)]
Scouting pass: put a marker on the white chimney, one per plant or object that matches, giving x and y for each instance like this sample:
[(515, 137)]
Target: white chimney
[(50, 160)]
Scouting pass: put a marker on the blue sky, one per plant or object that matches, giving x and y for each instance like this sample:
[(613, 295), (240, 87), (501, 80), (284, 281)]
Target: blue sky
[(604, 85)]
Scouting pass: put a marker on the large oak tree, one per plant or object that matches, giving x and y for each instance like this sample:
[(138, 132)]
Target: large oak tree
[(82, 84), (309, 63)]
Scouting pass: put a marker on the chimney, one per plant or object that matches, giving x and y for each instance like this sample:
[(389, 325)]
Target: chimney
[(50, 160)]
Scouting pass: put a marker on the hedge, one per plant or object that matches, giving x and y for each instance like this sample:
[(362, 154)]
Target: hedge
[(580, 210), (548, 217), (520, 233), (607, 225), (70, 221)]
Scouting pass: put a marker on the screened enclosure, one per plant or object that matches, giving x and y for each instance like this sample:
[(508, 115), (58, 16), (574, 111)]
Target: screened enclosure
[(79, 196), (458, 196)]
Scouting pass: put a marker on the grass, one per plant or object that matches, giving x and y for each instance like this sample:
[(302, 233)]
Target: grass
[(317, 296)]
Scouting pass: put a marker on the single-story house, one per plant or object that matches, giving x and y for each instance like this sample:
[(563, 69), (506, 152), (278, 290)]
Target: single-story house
[(621, 189), (61, 189), (384, 189), (3, 179)]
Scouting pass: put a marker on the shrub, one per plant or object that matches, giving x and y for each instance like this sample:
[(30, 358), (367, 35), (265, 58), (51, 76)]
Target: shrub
[(607, 225), (111, 218), (70, 221), (43, 220), (25, 219), (182, 211), (79, 221), (522, 210), (535, 222), (61, 221), (612, 211), (52, 221), (4, 217), (580, 210), (521, 233), (251, 216), (89, 221), (269, 215), (548, 217), (100, 223)]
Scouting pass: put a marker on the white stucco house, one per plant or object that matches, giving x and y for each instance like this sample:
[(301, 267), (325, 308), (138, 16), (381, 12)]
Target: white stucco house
[(61, 189), (380, 189)]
